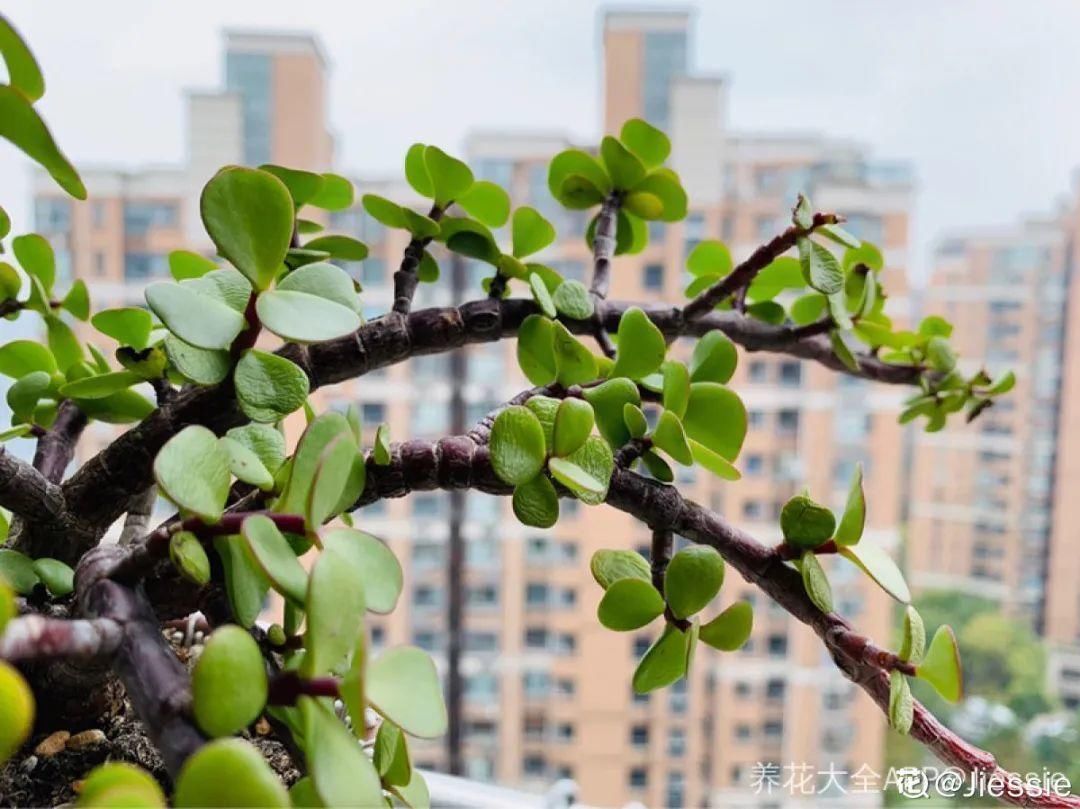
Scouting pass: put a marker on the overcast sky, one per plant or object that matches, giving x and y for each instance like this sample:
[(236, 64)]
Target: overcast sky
[(981, 96)]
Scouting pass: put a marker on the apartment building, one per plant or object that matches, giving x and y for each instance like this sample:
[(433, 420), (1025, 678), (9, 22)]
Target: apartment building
[(991, 510), (547, 690)]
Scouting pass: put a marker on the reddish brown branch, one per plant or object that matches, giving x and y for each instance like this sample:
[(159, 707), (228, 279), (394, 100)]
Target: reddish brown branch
[(287, 686), (743, 274), (406, 279), (603, 252), (35, 637), (458, 461)]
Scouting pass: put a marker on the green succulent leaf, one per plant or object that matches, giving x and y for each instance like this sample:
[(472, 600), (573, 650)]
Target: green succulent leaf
[(274, 556), (816, 582), (311, 305), (335, 194), (693, 578), (192, 470), (635, 420), (229, 772), (536, 503), (609, 400), (269, 387), (100, 386), (941, 666), (913, 644), (820, 268), (189, 557), (730, 629), (572, 299), (118, 784), (17, 569), (378, 566), (21, 357), (629, 604), (228, 684), (676, 389), (576, 364), (18, 702), (129, 326), (573, 477), (340, 247), (335, 613), (58, 578), (184, 264), (391, 755), (403, 686), (24, 395), (541, 295), (416, 171), (709, 257), (853, 520), (715, 417), (648, 143), (670, 437), (901, 703), (382, 452), (244, 583), (664, 662), (714, 358), (574, 422), (806, 524), (450, 178), (609, 566), (530, 232), (517, 445), (592, 463), (248, 214), (340, 772), (574, 162), (245, 465), (487, 202), (22, 68), (536, 350), (197, 319), (641, 345), (877, 564), (20, 124), (200, 365), (625, 169)]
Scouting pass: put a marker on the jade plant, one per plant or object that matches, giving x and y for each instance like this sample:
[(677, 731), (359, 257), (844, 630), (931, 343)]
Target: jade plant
[(202, 380)]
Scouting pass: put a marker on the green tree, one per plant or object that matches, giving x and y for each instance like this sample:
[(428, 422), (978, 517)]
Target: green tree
[(247, 505)]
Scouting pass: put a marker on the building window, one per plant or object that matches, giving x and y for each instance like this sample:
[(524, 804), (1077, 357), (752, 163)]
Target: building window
[(97, 215), (758, 371), (52, 215), (249, 75), (755, 418), (653, 277), (753, 464), (676, 745), (665, 58), (639, 735), (787, 422), (484, 596), (140, 217), (428, 505), (752, 509), (482, 687), (676, 789), (638, 778), (144, 266), (99, 264), (694, 230), (777, 645), (791, 374), (425, 595), (742, 732), (641, 646), (373, 413), (774, 689), (678, 698)]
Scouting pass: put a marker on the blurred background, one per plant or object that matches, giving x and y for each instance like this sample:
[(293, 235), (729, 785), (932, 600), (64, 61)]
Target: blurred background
[(947, 133)]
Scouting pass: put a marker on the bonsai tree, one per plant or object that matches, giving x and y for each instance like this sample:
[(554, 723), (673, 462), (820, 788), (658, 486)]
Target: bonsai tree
[(77, 614)]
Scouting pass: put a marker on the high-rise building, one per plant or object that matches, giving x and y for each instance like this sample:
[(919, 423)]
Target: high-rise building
[(547, 689), (991, 502)]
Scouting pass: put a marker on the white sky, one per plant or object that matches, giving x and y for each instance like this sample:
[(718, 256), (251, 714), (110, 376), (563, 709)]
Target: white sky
[(980, 95)]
